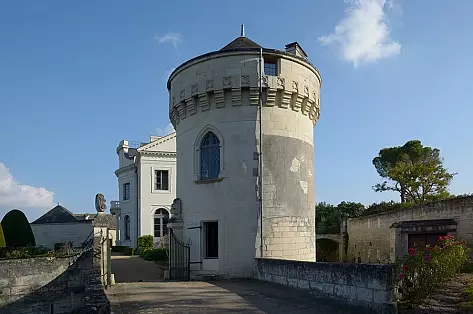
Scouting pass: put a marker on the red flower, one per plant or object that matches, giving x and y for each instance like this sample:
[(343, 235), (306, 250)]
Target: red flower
[(401, 276), (412, 251), (405, 267), (427, 258)]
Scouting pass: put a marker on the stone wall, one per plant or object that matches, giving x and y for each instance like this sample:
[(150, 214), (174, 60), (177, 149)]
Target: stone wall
[(52, 285), (370, 287), (376, 238)]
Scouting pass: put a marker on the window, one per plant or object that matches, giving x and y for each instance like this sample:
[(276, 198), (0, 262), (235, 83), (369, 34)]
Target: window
[(126, 191), (209, 157), (270, 68), (211, 239), (161, 219), (161, 180), (127, 227)]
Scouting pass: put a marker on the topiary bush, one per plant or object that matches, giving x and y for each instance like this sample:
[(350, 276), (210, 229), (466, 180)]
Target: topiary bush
[(17, 230), (145, 243), (426, 267), (2, 238), (156, 255)]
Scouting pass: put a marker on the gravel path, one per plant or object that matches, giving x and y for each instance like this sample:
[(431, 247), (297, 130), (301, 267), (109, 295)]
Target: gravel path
[(236, 296), (135, 269)]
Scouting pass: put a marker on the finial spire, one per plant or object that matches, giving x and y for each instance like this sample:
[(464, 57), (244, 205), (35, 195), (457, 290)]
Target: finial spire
[(242, 30)]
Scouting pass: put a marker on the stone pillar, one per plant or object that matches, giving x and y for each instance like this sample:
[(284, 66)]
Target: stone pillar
[(177, 228), (341, 252)]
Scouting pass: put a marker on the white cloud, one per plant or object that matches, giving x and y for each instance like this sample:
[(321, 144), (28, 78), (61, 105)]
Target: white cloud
[(363, 35), (168, 129), (15, 195), (173, 38)]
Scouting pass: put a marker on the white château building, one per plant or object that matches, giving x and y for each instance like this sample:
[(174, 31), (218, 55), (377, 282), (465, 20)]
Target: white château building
[(214, 106), (147, 187)]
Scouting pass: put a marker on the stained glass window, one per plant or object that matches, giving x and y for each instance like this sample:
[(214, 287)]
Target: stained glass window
[(209, 157)]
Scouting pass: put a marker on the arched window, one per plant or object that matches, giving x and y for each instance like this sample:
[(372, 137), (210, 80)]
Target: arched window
[(127, 227), (209, 156), (161, 219)]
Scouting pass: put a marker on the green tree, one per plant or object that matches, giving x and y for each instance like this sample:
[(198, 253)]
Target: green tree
[(415, 171), (326, 215), (2, 238), (17, 230), (350, 209)]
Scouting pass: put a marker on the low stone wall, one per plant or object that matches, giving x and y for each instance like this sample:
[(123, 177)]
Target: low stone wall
[(52, 285), (368, 286)]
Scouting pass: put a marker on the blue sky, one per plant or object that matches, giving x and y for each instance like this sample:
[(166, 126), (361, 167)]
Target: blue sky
[(77, 77)]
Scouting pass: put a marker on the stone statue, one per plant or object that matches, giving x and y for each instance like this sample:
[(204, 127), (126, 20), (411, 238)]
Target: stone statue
[(176, 210), (100, 203)]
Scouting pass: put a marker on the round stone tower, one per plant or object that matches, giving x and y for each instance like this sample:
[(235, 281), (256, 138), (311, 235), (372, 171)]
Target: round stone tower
[(214, 105)]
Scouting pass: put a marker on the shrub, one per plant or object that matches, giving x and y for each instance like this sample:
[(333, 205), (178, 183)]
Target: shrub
[(145, 243), (128, 251), (2, 238), (426, 267), (118, 248), (156, 255), (17, 230)]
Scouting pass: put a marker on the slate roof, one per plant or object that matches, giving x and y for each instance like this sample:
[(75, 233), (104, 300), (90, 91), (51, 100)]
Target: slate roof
[(58, 214), (99, 220), (240, 43)]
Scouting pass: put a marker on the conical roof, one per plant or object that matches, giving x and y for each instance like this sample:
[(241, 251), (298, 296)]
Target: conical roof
[(241, 42)]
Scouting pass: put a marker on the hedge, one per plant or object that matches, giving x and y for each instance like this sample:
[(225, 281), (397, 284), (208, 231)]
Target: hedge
[(128, 251), (119, 248), (2, 238), (145, 243), (155, 255), (17, 230)]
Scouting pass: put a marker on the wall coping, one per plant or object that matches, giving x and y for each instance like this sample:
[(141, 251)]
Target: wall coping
[(463, 198)]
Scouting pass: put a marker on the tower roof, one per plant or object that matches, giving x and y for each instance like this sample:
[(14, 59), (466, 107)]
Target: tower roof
[(241, 42)]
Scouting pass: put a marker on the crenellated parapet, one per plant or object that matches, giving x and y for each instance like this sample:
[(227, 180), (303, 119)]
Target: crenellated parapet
[(235, 90), (227, 80)]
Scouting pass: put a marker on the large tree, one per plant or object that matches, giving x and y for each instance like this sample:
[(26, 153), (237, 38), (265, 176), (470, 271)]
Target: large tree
[(415, 171), (350, 209)]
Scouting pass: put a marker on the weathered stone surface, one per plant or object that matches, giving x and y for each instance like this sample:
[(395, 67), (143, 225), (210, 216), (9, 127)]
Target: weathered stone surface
[(46, 285), (366, 285)]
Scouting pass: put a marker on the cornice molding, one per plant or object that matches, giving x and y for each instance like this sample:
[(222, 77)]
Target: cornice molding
[(125, 169), (158, 154), (157, 142)]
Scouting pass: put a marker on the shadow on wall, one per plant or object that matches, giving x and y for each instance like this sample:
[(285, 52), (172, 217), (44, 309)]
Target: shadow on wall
[(64, 294), (327, 250)]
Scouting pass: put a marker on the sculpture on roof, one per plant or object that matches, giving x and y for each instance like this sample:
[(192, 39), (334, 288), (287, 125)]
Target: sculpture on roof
[(100, 203)]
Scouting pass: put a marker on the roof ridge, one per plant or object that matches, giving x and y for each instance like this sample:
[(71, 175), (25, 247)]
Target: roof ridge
[(157, 142)]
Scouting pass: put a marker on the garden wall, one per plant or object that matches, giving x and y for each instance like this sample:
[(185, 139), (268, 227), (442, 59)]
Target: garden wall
[(374, 239), (52, 285), (369, 286)]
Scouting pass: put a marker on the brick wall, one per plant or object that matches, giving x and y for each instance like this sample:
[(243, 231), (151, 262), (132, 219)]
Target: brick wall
[(369, 287), (372, 240), (52, 285)]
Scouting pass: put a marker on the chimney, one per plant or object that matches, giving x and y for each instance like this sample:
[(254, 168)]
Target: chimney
[(296, 50)]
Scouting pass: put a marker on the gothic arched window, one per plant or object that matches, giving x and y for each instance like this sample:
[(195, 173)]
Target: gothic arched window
[(209, 157), (127, 227)]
